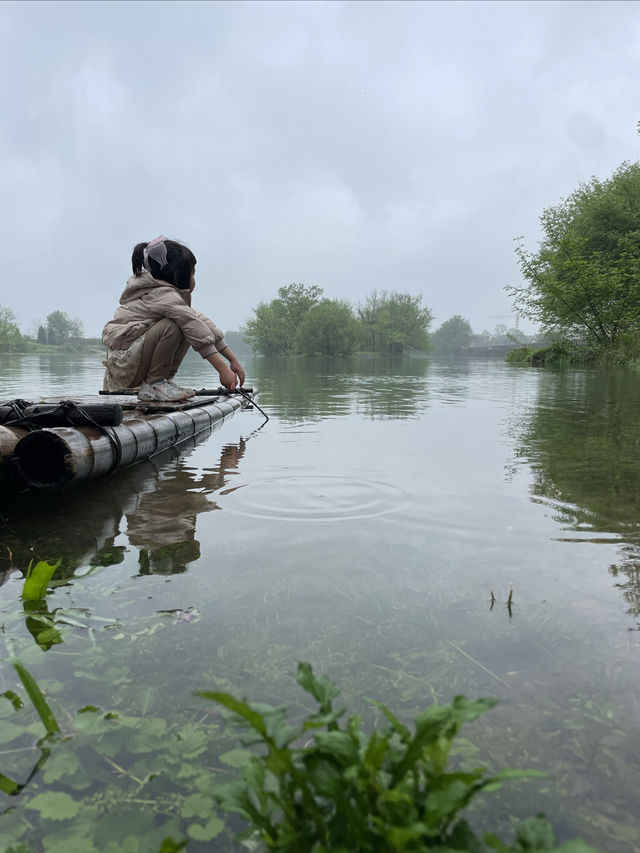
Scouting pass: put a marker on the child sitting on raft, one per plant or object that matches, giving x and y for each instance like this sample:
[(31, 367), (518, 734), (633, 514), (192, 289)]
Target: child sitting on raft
[(155, 325)]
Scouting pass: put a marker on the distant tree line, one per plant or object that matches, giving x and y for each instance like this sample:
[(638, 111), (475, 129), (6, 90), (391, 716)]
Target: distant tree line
[(57, 331), (300, 321), (456, 335)]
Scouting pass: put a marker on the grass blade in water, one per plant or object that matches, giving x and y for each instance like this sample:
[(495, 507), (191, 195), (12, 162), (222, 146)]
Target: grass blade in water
[(39, 703)]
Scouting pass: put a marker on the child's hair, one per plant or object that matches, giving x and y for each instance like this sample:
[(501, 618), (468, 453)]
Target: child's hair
[(180, 264)]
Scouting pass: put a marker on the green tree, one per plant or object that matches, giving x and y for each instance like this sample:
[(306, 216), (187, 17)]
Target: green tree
[(584, 279), (61, 328), (10, 335), (395, 322), (42, 335), (329, 328), (455, 333), (273, 327)]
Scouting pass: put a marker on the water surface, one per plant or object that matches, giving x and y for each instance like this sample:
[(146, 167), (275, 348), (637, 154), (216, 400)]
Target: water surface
[(365, 529)]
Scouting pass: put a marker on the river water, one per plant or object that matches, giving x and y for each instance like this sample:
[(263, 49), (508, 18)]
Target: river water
[(415, 529)]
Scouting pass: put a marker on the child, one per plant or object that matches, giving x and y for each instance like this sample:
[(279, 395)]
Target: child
[(155, 325)]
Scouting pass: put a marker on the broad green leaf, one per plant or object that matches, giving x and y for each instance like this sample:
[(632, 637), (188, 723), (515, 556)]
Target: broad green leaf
[(210, 830), (190, 741), (535, 833), (470, 709), (63, 763), (444, 803), (337, 743), (236, 757), (376, 752), (320, 687), (254, 774), (492, 840), (48, 637), (37, 581), (238, 706), (316, 721), (55, 805), (10, 731), (186, 770), (234, 797), (325, 776), (170, 846), (71, 845), (401, 837), (396, 725), (197, 805)]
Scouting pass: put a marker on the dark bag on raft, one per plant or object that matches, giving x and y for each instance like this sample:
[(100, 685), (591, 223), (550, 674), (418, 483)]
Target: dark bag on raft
[(66, 413)]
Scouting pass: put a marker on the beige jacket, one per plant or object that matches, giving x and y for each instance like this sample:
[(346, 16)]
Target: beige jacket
[(143, 302)]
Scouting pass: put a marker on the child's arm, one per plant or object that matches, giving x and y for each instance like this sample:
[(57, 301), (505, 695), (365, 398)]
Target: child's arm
[(234, 364), (228, 378)]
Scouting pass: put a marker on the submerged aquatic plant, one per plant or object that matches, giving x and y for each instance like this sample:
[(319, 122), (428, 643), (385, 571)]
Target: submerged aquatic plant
[(322, 787), (318, 787)]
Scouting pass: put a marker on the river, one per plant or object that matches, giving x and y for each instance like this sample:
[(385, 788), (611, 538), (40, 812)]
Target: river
[(415, 529)]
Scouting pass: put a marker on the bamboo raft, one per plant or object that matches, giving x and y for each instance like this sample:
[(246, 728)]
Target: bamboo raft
[(59, 443)]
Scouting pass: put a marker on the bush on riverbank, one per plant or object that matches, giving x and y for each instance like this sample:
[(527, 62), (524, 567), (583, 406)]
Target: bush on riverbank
[(559, 353), (582, 280), (565, 353)]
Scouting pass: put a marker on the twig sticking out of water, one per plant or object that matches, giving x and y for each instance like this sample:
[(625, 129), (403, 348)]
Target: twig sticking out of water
[(477, 663), (509, 601)]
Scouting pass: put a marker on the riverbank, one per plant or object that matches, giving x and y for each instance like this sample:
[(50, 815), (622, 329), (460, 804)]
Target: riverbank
[(567, 353), (26, 345)]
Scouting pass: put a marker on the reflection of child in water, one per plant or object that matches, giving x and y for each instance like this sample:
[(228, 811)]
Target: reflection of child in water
[(163, 524), (155, 325), (159, 498)]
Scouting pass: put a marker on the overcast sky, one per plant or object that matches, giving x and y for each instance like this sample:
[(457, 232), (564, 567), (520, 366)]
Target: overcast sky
[(351, 145)]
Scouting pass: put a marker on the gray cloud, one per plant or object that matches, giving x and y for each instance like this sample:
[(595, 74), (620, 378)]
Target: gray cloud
[(350, 145)]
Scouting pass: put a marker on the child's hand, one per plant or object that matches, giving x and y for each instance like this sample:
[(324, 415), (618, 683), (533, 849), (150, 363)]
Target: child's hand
[(235, 365), (228, 378)]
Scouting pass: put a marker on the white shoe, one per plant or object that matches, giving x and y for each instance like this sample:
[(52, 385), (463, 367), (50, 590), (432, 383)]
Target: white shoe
[(190, 392), (162, 392)]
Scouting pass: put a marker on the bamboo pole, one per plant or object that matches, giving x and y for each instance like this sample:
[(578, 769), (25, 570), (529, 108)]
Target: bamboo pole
[(59, 456), (9, 437)]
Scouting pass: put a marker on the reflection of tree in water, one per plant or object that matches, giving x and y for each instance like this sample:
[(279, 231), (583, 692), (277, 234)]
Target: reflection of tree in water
[(582, 442), (629, 573), (159, 499), (304, 389)]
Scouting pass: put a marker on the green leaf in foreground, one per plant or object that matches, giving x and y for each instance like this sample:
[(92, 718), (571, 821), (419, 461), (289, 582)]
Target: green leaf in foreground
[(37, 581), (34, 693), (321, 787), (171, 846), (8, 786)]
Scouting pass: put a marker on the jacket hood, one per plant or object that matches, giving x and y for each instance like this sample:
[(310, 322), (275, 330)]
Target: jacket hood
[(138, 285)]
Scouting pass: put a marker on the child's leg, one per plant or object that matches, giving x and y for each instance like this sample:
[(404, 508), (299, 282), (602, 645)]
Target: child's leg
[(178, 356), (163, 349)]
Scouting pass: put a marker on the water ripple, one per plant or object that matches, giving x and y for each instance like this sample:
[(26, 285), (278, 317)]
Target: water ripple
[(313, 498)]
